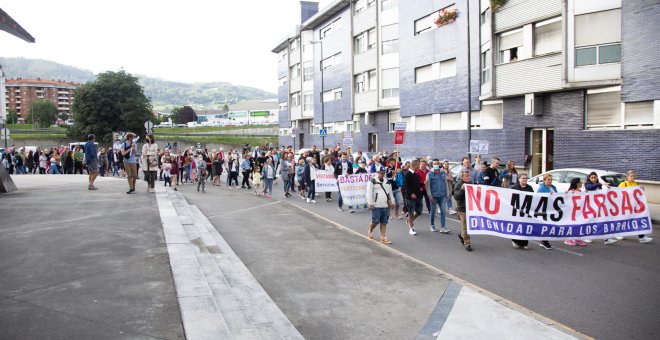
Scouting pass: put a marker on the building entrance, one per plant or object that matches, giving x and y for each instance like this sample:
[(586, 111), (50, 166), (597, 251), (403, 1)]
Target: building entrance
[(542, 142), (373, 142)]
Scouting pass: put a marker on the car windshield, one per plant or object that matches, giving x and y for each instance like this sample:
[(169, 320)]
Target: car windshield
[(613, 179)]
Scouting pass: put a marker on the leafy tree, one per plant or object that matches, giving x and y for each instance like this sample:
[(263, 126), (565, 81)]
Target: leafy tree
[(225, 107), (186, 114), (174, 112), (42, 112), (113, 102), (12, 117), (63, 116), (164, 118)]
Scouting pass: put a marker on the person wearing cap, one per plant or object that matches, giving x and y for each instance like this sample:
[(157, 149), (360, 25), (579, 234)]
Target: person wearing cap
[(436, 186), (91, 161), (379, 199)]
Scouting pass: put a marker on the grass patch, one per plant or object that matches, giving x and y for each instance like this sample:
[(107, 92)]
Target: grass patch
[(37, 136), (175, 131), (25, 127), (228, 140)]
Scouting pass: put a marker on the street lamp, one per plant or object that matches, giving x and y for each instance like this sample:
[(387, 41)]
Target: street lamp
[(469, 85), (320, 42)]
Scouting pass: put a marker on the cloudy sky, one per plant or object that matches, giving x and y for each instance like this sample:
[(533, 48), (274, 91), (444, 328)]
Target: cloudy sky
[(189, 41)]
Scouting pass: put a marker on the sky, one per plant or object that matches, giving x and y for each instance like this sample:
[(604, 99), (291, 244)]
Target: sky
[(187, 41)]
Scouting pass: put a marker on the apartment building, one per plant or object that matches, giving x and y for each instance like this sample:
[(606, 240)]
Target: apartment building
[(19, 94), (559, 83)]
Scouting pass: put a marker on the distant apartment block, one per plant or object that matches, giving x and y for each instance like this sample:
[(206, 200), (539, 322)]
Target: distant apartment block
[(559, 83), (19, 94)]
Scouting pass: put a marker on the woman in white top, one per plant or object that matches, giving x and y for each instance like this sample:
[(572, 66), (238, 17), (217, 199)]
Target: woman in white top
[(150, 161)]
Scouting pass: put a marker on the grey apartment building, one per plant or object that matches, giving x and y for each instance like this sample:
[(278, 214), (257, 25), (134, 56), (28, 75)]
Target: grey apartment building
[(560, 83)]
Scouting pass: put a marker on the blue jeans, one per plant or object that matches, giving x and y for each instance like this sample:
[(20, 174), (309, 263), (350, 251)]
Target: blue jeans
[(439, 201), (268, 185)]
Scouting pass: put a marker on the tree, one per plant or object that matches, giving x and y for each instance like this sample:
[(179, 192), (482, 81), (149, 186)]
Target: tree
[(42, 112), (225, 107), (174, 112), (113, 102), (186, 114), (12, 117), (63, 116)]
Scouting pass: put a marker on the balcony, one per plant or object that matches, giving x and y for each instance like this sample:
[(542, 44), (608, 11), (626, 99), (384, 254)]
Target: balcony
[(539, 74)]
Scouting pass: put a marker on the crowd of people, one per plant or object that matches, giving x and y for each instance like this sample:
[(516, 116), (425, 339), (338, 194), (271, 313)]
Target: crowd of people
[(404, 189)]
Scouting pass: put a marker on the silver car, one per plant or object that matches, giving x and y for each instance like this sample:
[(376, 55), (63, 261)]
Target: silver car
[(561, 178)]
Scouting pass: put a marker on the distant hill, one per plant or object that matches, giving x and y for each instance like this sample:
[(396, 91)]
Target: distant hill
[(164, 94)]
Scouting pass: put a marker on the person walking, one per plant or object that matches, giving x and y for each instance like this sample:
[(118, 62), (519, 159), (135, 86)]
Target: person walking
[(77, 160), (436, 186), (574, 188), (246, 169), (547, 187), (379, 199), (309, 176), (343, 167), (450, 187), (232, 170), (268, 173), (150, 162), (521, 186), (413, 195), (509, 175), (459, 196), (91, 161), (630, 181), (300, 178), (129, 152), (327, 165), (285, 169), (593, 184), (103, 162)]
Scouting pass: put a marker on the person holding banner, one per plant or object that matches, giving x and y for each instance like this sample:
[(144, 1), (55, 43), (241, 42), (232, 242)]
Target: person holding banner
[(575, 187), (592, 184), (459, 196), (343, 168), (630, 182), (547, 187), (327, 165), (379, 199), (521, 186)]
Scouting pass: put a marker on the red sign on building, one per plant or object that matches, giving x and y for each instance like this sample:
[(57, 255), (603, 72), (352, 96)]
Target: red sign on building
[(399, 137)]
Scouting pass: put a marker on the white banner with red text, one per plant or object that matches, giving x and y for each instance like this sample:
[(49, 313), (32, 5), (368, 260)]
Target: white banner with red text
[(542, 216), (354, 189), (325, 181)]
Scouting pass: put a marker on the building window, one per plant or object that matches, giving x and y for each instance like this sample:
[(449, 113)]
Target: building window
[(598, 38), (547, 36), (485, 67), (331, 61), (283, 55), (295, 99), (359, 83), (371, 80), (295, 44), (295, 71), (390, 38), (424, 123), (638, 115), (426, 24), (604, 108), (283, 106), (330, 28), (360, 6), (443, 69), (365, 41), (484, 18), (308, 71), (331, 95), (308, 101), (491, 115), (509, 43), (390, 78), (282, 81), (388, 4)]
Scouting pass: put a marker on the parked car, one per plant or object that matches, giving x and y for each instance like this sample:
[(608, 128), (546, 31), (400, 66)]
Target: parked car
[(561, 178)]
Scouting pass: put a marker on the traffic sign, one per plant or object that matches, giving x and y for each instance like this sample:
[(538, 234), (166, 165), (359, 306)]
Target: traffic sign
[(148, 125), (323, 133), (479, 147), (5, 132), (348, 141), (399, 137), (400, 126)]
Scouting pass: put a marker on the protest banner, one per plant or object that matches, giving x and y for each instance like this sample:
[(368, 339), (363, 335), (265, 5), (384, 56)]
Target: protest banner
[(540, 216), (325, 181), (354, 189)]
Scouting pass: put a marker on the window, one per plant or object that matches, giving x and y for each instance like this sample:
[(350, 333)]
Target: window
[(638, 114), (424, 123), (295, 99), (485, 67), (390, 80), (330, 28), (604, 108), (508, 44), (492, 116), (359, 83), (360, 6), (282, 81), (371, 80), (388, 4), (331, 61), (283, 106), (283, 55), (295, 71), (333, 94), (308, 101), (295, 44), (425, 24), (598, 38), (443, 69), (365, 41), (308, 71), (390, 38), (484, 18), (547, 36)]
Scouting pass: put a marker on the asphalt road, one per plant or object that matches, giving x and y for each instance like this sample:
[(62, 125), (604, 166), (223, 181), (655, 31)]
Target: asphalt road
[(607, 292)]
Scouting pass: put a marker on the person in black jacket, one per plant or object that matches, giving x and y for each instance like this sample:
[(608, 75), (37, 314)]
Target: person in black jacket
[(343, 167), (459, 196), (309, 176), (521, 186), (413, 195)]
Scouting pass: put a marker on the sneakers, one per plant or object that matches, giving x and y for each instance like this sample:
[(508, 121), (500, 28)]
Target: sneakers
[(412, 231), (328, 199), (444, 230), (308, 200), (432, 228), (452, 212), (468, 247), (515, 246), (545, 245), (313, 201), (569, 243), (580, 243), (645, 239), (130, 191), (461, 238), (340, 209), (619, 238), (350, 210), (609, 241)]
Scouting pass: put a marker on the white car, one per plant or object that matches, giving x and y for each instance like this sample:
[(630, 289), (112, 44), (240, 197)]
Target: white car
[(561, 178)]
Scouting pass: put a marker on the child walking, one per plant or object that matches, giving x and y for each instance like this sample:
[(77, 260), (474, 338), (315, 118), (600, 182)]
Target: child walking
[(256, 180), (167, 171)]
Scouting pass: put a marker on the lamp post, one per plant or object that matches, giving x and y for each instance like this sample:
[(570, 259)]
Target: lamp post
[(320, 42), (469, 85)]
